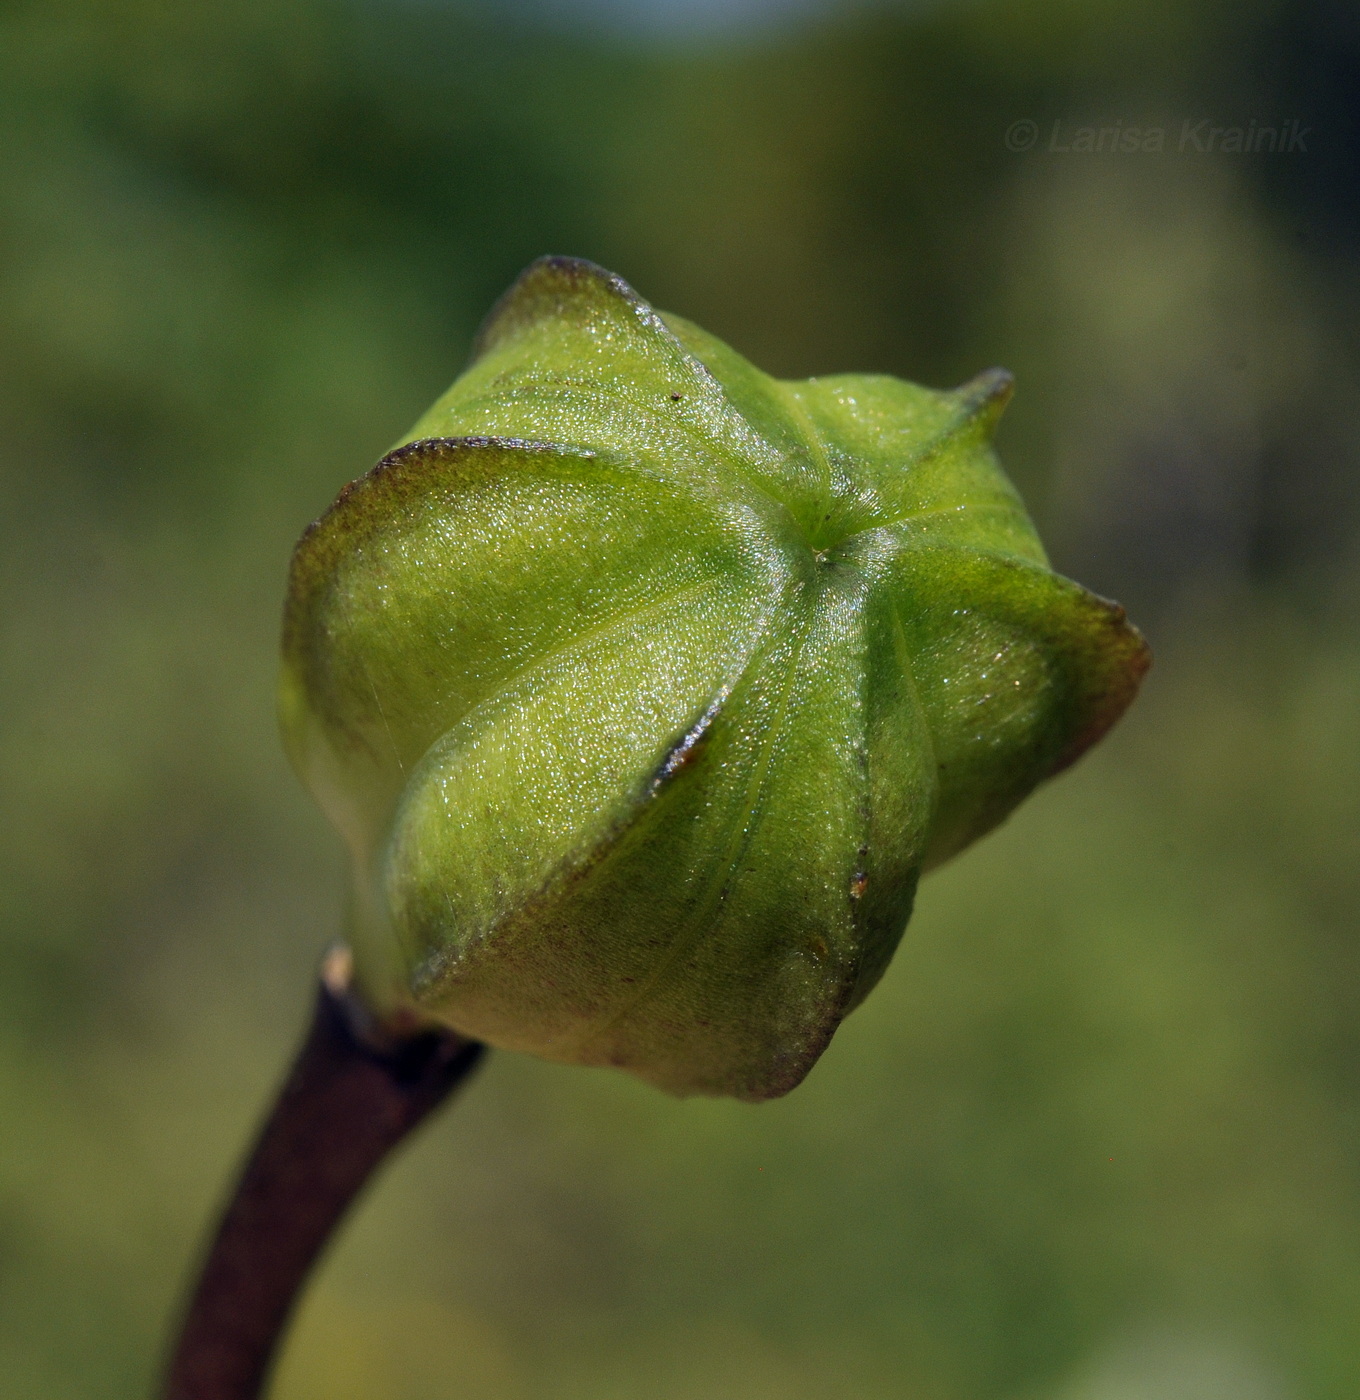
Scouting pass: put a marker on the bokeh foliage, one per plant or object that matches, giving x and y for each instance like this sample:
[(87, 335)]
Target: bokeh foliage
[(1096, 1137)]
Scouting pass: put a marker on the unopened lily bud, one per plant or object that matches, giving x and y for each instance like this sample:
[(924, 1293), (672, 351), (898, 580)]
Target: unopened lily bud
[(643, 687)]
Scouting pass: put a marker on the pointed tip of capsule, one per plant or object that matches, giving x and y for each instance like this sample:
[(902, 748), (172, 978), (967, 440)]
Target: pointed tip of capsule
[(545, 289), (983, 398)]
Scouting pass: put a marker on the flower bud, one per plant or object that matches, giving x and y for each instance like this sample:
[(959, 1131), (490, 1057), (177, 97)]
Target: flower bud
[(643, 686)]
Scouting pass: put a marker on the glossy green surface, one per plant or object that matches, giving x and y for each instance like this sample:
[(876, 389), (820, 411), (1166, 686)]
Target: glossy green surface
[(644, 686)]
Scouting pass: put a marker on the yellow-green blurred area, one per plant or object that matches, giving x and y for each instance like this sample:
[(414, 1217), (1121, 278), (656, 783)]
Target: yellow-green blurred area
[(1097, 1136)]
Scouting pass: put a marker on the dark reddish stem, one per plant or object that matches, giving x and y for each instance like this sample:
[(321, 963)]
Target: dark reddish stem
[(357, 1087)]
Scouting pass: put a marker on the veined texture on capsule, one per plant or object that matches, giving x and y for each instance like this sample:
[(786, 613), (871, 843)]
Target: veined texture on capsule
[(643, 687)]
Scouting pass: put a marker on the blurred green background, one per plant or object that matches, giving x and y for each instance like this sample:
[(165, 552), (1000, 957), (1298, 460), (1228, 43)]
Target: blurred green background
[(1097, 1137)]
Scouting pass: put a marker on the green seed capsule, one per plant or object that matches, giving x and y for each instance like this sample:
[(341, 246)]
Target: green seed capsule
[(643, 686)]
